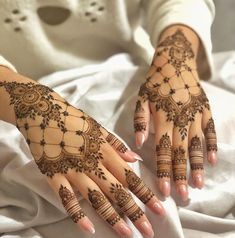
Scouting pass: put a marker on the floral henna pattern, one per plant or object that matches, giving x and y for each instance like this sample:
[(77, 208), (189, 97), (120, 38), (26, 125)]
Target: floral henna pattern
[(179, 95), (71, 204), (138, 187), (164, 151), (139, 119), (116, 143), (196, 154), (210, 135), (103, 207), (40, 113), (125, 202), (179, 164)]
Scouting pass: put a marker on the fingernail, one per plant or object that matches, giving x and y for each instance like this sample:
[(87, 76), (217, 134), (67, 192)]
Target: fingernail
[(165, 188), (123, 230), (198, 181), (132, 155), (147, 230), (183, 191), (212, 158), (139, 139), (88, 226), (158, 208)]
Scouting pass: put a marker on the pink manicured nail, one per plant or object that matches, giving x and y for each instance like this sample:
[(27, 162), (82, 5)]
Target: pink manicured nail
[(165, 188), (159, 209), (87, 225), (212, 158), (146, 229), (183, 191), (198, 181), (123, 230), (140, 138), (133, 156)]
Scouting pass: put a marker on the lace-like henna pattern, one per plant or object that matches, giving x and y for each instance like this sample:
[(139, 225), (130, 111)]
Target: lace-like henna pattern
[(179, 164), (210, 135), (125, 202), (71, 204), (138, 187), (164, 151), (38, 108), (196, 153), (161, 88), (139, 119), (116, 143), (103, 207)]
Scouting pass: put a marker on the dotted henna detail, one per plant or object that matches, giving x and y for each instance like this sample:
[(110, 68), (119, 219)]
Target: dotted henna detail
[(71, 204), (103, 207), (196, 154), (139, 119), (125, 202), (210, 135), (116, 143), (138, 187), (164, 153)]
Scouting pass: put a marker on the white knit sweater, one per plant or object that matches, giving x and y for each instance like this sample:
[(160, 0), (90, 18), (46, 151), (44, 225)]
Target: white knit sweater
[(39, 37)]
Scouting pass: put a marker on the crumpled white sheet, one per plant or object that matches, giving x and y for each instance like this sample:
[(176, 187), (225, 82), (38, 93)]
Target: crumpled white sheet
[(29, 208)]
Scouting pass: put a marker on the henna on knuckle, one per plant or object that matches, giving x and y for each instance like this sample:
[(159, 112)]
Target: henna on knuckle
[(196, 154)]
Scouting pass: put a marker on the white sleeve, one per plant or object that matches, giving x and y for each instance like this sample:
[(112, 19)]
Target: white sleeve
[(197, 14), (7, 64)]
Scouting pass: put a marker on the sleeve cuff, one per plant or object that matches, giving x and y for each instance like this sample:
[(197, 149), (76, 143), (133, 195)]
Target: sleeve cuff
[(4, 62)]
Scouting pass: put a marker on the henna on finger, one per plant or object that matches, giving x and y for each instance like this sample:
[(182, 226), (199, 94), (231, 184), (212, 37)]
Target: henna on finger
[(71, 204), (140, 123), (196, 154), (116, 143), (103, 207), (125, 202), (210, 136), (164, 153)]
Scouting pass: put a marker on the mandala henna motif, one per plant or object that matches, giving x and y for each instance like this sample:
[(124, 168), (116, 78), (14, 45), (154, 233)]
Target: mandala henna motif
[(164, 151), (196, 154), (38, 107), (138, 187), (116, 143), (139, 119), (103, 207), (179, 164), (210, 135), (71, 204), (125, 202)]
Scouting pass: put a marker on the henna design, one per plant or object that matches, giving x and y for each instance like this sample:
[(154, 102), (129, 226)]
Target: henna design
[(125, 202), (71, 204), (210, 135), (116, 143), (139, 119), (103, 207), (164, 150), (138, 187), (38, 108), (196, 153), (179, 164)]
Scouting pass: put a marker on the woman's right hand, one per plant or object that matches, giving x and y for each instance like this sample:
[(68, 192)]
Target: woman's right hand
[(73, 150)]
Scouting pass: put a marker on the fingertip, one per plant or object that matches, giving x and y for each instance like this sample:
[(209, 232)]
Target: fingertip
[(198, 181), (212, 158), (182, 190), (165, 188), (139, 139), (87, 225), (131, 156), (123, 230)]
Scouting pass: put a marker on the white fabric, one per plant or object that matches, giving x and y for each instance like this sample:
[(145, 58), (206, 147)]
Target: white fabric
[(87, 31), (29, 208)]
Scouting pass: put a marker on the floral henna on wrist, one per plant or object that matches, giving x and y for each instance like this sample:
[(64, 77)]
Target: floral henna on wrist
[(164, 153), (71, 204), (125, 202), (196, 154), (179, 164), (42, 114), (138, 187), (103, 207), (210, 135), (179, 95), (116, 143)]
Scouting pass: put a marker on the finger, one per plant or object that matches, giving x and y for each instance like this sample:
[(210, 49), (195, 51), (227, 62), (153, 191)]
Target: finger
[(210, 136), (69, 200), (93, 194), (120, 147), (179, 163), (141, 120), (128, 178), (120, 196), (196, 152)]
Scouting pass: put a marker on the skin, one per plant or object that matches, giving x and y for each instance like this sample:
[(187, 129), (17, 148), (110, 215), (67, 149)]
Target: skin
[(180, 110)]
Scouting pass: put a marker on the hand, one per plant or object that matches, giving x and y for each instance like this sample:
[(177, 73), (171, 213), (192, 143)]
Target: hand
[(181, 112), (73, 150)]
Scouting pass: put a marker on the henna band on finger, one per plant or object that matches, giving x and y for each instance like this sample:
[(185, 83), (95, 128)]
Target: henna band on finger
[(196, 154), (116, 143), (71, 204), (210, 135), (140, 123)]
